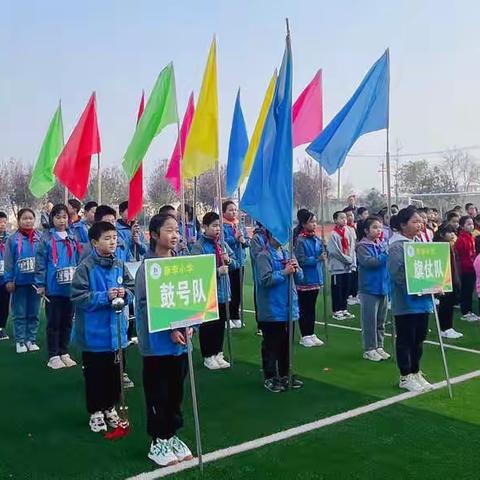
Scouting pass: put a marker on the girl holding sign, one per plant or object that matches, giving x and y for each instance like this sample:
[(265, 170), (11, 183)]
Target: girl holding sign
[(165, 362), (20, 251), (410, 311), (55, 263)]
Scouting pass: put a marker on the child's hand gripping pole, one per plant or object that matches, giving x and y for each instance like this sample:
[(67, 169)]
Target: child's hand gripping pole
[(118, 304)]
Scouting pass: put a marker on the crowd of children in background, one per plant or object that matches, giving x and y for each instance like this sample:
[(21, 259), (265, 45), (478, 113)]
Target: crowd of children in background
[(79, 263)]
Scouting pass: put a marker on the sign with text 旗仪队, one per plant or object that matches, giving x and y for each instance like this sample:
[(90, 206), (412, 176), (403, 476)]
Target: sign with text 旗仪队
[(427, 267), (181, 291)]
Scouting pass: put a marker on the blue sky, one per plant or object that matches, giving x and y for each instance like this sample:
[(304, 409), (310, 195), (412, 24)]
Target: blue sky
[(64, 49)]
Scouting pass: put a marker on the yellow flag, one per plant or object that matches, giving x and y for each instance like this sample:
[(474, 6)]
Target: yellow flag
[(201, 148), (257, 132)]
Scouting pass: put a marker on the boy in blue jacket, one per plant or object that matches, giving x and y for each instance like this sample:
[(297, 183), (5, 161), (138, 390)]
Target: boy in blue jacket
[(75, 221), (97, 281), (130, 233), (4, 295), (55, 264), (212, 333), (274, 266)]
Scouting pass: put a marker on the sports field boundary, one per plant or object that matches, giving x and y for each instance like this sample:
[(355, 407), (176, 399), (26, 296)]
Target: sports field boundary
[(295, 431)]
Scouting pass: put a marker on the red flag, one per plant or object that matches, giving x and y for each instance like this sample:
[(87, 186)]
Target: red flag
[(135, 189), (307, 112), (173, 174), (73, 165)]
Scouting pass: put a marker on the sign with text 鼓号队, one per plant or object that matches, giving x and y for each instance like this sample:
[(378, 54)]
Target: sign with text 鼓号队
[(181, 291), (427, 267)]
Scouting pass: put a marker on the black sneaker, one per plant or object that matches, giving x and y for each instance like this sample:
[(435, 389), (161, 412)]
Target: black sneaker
[(296, 383), (3, 334), (273, 385)]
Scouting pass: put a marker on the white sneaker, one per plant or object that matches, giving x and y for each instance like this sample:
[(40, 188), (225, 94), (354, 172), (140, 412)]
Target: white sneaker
[(211, 363), (21, 348), (221, 362), (338, 315), (32, 347), (451, 333), (436, 301), (67, 360), (179, 449), (127, 381), (351, 301), (410, 383), (372, 355), (307, 341), (112, 418), (235, 323), (134, 340), (422, 382), (97, 422), (55, 363), (470, 317), (385, 355), (457, 334), (347, 315), (161, 453), (316, 341)]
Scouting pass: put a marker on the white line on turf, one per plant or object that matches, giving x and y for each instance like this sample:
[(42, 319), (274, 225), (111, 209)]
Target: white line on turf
[(293, 432)]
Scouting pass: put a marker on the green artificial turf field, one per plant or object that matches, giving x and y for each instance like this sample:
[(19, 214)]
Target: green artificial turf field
[(44, 431)]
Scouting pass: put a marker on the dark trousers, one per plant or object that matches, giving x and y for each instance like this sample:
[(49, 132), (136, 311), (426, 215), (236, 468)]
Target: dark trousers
[(466, 292), (275, 354), (212, 334), (340, 288), (445, 310), (235, 287), (412, 331), (163, 379), (102, 380), (353, 284), (307, 302), (59, 324), (4, 306), (131, 330)]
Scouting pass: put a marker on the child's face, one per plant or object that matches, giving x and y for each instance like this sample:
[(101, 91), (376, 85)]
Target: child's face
[(60, 221), (310, 226), (472, 211), (213, 230), (375, 230), (3, 225), (455, 222), (364, 215), (27, 221), (90, 215), (106, 244), (109, 218), (431, 215), (350, 217), (413, 227), (468, 227), (168, 235), (450, 237), (231, 213), (124, 215), (341, 220), (424, 217)]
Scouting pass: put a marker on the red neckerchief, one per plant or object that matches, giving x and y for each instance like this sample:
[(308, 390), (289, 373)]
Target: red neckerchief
[(351, 224), (68, 245), (343, 235), (307, 234), (30, 234), (218, 251)]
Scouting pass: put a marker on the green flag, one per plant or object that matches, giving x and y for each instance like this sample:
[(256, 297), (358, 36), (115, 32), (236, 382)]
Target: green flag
[(43, 179), (160, 111)]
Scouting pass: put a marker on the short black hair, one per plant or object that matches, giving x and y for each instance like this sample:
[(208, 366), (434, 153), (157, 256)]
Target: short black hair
[(166, 208), (463, 220), (394, 206), (56, 209), (209, 218), (99, 228), (24, 210), (457, 207), (422, 210), (225, 205), (348, 209), (337, 213), (405, 214), (103, 210), (361, 210), (468, 205), (123, 206), (3, 215), (89, 205), (442, 231), (451, 215), (75, 204)]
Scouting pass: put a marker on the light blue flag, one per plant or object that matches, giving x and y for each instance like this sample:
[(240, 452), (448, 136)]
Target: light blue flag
[(268, 196), (365, 112), (237, 148)]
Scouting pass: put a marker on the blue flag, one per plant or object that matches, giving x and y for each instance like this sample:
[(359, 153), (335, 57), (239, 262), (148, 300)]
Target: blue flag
[(365, 112), (268, 196), (237, 148)]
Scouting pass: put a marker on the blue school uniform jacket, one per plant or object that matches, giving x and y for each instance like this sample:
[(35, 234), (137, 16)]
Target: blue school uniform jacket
[(372, 267), (237, 248), (272, 286), (55, 263), (124, 232), (3, 241), (95, 328), (308, 251), (79, 230), (205, 245), (151, 344), (20, 258)]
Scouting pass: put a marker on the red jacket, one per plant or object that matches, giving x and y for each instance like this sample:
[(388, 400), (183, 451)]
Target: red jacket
[(465, 248)]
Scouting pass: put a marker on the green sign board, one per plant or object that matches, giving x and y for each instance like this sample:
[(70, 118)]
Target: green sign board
[(181, 291), (427, 267)]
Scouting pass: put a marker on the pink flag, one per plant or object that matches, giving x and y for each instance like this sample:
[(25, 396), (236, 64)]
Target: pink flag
[(307, 112), (173, 174)]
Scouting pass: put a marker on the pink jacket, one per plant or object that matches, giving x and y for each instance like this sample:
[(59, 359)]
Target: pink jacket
[(476, 266)]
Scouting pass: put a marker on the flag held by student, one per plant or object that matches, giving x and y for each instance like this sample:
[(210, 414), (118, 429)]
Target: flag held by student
[(237, 148), (160, 111), (268, 196), (43, 179), (135, 187), (174, 173), (307, 112), (365, 112), (73, 165), (201, 149)]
